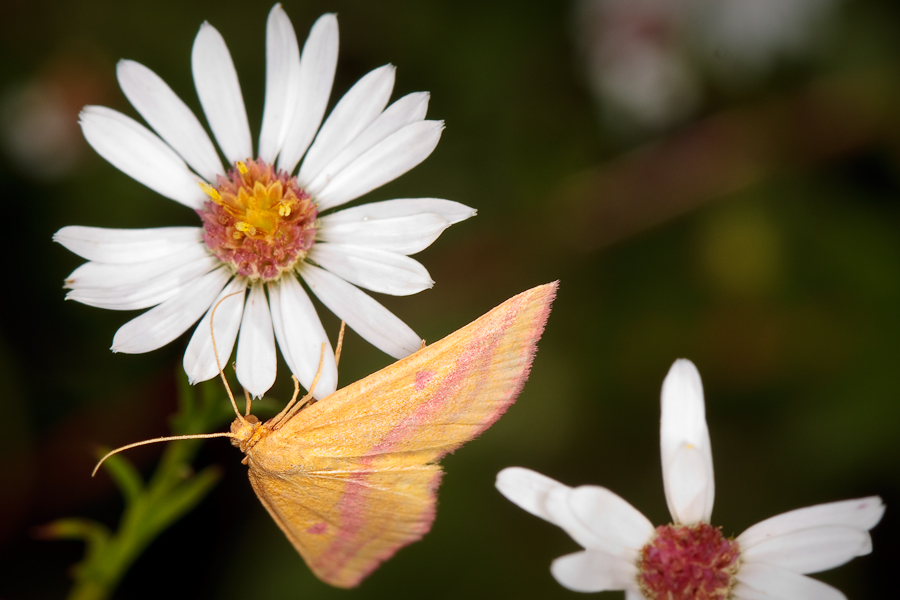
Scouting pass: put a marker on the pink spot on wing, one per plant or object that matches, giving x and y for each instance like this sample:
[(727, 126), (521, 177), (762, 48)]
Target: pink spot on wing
[(317, 529), (422, 379)]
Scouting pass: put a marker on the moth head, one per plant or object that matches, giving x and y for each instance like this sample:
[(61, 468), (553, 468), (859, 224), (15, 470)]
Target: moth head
[(245, 432)]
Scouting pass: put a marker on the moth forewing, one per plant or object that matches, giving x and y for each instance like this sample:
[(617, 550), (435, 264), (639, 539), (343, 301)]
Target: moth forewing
[(352, 478)]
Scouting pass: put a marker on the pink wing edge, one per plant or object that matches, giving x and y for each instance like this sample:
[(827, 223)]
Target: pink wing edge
[(351, 505)]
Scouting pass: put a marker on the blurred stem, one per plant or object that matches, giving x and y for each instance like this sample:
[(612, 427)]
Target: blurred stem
[(172, 491)]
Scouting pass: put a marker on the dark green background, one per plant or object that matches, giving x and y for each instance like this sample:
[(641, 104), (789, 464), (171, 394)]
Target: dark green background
[(760, 239)]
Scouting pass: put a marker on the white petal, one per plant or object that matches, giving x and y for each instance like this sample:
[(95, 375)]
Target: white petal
[(220, 94), (105, 275), (862, 513), (373, 322), (408, 109), (301, 336), (200, 357), (685, 447), (811, 550), (389, 159), (620, 539), (353, 113), (453, 212), (317, 66), (162, 324), (169, 117), (147, 292), (765, 582), (610, 518), (124, 246), (404, 235), (594, 571), (376, 270), (529, 490), (593, 516), (256, 361), (282, 83), (140, 154)]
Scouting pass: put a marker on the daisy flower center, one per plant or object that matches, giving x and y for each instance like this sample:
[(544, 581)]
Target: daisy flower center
[(258, 220), (688, 563)]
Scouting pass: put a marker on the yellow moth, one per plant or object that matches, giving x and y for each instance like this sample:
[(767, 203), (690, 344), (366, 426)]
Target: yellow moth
[(352, 478)]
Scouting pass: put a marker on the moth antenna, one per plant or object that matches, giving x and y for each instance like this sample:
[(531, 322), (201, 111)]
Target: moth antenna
[(169, 438), (249, 401), (318, 371), (212, 334), (340, 344), (284, 415)]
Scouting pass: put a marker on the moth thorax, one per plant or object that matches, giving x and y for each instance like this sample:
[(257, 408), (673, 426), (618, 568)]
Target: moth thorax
[(688, 562), (258, 220)]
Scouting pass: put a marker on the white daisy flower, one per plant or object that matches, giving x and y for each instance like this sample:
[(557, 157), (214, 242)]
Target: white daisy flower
[(261, 225), (690, 559)]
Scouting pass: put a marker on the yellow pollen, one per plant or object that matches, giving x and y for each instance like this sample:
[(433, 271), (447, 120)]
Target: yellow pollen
[(284, 210), (210, 191), (241, 167), (245, 227)]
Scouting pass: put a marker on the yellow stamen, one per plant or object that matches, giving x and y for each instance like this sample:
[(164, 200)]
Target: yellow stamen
[(210, 191), (284, 210), (241, 167)]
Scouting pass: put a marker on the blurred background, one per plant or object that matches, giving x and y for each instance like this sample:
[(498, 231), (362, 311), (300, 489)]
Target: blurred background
[(710, 179)]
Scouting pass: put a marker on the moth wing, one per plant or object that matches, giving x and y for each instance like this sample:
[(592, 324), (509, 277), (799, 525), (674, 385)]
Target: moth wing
[(346, 524), (351, 479), (434, 400)]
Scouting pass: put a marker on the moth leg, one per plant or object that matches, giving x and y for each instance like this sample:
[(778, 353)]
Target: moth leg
[(291, 409), (278, 418)]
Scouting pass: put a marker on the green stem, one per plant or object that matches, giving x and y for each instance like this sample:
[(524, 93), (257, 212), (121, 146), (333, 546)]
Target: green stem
[(173, 490)]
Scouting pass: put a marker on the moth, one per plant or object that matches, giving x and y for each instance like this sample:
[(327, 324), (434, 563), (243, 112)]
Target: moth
[(352, 478)]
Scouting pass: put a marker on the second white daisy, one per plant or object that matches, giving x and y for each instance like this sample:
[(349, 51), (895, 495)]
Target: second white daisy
[(263, 226), (690, 559)]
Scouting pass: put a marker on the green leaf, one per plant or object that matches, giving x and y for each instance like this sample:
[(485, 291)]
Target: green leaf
[(91, 532), (185, 497), (125, 475)]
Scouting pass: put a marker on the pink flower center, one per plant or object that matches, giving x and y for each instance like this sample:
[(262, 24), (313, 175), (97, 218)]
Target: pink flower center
[(258, 220), (688, 563)]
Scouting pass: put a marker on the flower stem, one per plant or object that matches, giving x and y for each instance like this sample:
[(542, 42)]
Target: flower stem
[(150, 507)]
